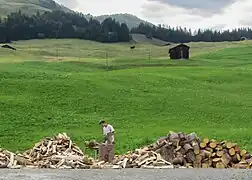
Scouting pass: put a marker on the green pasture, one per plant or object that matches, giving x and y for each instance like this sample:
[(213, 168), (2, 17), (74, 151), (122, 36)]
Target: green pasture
[(52, 86)]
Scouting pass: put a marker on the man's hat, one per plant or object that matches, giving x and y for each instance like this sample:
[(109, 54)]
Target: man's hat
[(101, 121)]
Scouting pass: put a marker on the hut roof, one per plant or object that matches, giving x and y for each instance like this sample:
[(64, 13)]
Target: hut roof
[(178, 45)]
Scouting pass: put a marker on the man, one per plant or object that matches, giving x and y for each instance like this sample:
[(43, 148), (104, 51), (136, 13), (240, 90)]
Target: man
[(108, 132)]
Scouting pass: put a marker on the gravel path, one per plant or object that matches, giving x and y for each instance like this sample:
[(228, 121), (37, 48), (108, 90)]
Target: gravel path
[(127, 174)]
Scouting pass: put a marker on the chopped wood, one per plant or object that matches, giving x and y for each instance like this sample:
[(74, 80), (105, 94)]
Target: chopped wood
[(206, 140), (190, 156), (236, 158), (229, 145), (177, 149), (205, 165), (213, 144), (219, 153), (219, 148), (243, 153), (209, 149), (203, 144), (237, 149), (197, 162), (187, 147), (226, 159), (220, 165), (205, 154), (196, 147), (231, 151), (178, 161)]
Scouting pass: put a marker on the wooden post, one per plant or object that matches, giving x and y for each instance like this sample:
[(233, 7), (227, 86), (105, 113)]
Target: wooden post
[(107, 62)]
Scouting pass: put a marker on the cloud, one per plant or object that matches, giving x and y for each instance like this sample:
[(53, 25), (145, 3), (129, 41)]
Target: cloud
[(211, 6), (194, 14), (231, 16)]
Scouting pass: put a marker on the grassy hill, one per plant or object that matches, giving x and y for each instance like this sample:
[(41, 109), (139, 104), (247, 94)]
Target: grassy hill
[(141, 38), (29, 6), (129, 19), (50, 86), (34, 6)]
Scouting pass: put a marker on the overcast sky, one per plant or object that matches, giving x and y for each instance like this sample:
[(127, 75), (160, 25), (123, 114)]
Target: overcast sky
[(186, 13)]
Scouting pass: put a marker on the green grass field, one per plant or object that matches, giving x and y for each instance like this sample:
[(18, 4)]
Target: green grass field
[(52, 86)]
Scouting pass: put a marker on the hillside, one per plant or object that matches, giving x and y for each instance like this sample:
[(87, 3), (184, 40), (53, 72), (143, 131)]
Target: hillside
[(141, 38), (51, 86), (129, 19), (34, 6), (29, 6)]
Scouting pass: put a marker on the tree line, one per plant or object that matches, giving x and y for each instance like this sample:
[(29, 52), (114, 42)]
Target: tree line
[(184, 35), (58, 24)]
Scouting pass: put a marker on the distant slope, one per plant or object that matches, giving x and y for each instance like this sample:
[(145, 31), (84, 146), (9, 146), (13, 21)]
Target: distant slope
[(129, 19), (29, 6), (33, 6), (141, 38)]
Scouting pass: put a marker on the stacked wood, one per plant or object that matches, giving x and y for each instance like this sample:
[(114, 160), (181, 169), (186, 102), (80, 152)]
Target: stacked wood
[(58, 152), (142, 158), (224, 155), (187, 150)]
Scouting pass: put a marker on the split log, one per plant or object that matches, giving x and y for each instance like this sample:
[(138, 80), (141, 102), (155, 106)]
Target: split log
[(205, 154), (236, 158), (197, 162), (237, 149), (159, 145), (196, 147), (226, 159), (243, 153), (187, 147), (190, 156), (174, 138), (189, 138), (241, 166), (209, 149), (178, 161), (215, 161)]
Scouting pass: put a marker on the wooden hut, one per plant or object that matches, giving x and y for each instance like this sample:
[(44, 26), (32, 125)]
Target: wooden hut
[(180, 51)]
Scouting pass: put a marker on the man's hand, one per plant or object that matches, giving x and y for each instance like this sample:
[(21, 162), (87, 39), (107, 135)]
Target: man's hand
[(105, 138)]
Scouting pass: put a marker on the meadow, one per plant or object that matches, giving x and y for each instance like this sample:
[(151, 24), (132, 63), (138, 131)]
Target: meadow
[(52, 86)]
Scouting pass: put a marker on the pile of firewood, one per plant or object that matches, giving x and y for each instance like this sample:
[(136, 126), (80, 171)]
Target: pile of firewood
[(187, 150), (58, 152), (11, 160), (223, 155), (142, 158), (176, 150)]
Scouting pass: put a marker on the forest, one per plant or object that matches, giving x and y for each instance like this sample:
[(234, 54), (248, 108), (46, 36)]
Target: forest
[(58, 24)]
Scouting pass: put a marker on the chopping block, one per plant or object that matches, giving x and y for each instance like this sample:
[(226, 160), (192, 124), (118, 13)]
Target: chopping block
[(106, 152)]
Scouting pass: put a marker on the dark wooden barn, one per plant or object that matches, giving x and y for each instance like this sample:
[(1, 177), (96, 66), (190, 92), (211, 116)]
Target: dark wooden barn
[(180, 51)]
